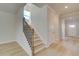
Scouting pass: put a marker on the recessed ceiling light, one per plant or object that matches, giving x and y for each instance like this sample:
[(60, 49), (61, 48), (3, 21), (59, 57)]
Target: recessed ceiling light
[(66, 6), (71, 26)]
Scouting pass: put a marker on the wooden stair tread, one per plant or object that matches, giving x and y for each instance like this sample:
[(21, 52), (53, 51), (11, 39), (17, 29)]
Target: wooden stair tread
[(39, 46), (38, 50), (36, 40), (37, 43), (36, 37)]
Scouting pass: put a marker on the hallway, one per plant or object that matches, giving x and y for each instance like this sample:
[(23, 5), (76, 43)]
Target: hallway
[(54, 22), (60, 49)]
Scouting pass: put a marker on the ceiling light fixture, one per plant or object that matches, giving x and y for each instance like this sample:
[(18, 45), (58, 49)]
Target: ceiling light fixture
[(66, 6), (71, 26)]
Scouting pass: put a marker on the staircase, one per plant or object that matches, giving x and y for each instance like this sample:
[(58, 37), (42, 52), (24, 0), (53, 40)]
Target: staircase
[(38, 45), (32, 38), (28, 31)]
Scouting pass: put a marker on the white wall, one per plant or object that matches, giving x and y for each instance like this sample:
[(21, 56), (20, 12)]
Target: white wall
[(28, 6), (44, 25), (46, 22), (21, 39), (62, 28), (7, 27), (53, 20), (39, 21)]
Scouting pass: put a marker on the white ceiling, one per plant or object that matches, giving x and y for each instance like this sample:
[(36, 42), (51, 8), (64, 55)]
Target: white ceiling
[(10, 7), (60, 7)]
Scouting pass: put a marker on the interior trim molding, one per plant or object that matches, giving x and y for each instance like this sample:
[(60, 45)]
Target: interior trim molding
[(7, 41)]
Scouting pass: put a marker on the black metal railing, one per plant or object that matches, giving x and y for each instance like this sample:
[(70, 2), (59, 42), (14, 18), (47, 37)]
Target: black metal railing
[(29, 33)]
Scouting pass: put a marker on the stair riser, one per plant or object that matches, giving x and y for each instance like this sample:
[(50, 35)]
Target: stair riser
[(39, 51), (38, 45)]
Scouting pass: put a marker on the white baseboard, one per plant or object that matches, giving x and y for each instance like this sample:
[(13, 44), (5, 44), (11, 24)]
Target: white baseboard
[(7, 41)]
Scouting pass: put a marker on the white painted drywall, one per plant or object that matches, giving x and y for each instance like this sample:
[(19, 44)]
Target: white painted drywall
[(7, 27), (28, 6), (46, 22), (21, 39), (39, 21), (53, 20), (62, 30)]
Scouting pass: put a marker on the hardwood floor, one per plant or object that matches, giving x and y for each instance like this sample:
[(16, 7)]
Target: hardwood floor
[(59, 49), (11, 49)]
